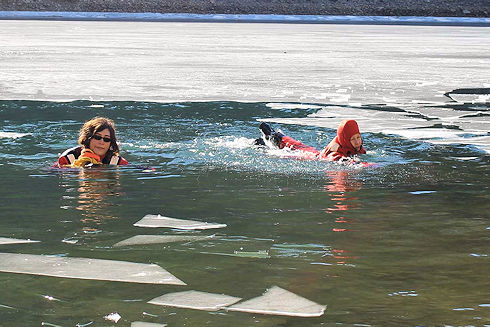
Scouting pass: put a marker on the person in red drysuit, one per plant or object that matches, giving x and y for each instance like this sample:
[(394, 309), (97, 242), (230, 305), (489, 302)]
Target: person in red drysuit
[(347, 143), (343, 147)]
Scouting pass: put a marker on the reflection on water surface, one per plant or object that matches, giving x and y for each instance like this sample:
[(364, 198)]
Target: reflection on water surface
[(405, 243)]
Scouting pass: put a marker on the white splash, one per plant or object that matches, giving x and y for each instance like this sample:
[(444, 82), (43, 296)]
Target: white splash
[(231, 142), (114, 316)]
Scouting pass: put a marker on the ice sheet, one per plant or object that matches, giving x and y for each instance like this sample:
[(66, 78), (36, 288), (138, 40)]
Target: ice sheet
[(158, 239), (196, 300), (161, 221), (278, 301), (400, 74), (5, 240), (84, 268)]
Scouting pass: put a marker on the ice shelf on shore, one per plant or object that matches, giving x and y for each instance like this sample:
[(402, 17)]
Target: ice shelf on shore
[(259, 18)]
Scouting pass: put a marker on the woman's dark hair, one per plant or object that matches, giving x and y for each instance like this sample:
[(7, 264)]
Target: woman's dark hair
[(94, 125)]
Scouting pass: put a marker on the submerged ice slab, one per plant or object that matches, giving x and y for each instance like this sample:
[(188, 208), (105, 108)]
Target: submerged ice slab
[(195, 300), (261, 254), (161, 221), (5, 240), (158, 239), (278, 301), (84, 268), (146, 324)]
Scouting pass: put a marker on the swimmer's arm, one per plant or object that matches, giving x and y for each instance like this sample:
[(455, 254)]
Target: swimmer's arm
[(332, 156), (336, 156)]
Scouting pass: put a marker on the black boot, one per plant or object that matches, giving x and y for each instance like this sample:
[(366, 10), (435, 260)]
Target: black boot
[(269, 134), (276, 138), (259, 141), (267, 130)]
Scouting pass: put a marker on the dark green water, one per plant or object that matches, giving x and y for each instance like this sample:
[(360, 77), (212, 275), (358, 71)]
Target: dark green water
[(402, 244)]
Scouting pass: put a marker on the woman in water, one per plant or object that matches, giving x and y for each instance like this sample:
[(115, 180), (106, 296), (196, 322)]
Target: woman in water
[(343, 147), (97, 146)]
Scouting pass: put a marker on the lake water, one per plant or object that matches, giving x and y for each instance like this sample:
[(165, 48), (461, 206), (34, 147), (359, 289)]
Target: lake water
[(404, 243)]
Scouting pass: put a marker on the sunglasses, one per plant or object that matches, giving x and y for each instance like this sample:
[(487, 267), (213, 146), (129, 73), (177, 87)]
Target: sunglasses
[(98, 138)]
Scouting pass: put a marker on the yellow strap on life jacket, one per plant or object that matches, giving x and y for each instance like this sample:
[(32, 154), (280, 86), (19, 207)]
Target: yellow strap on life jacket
[(87, 157)]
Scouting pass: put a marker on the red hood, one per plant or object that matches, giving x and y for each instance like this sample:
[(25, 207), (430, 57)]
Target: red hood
[(346, 130)]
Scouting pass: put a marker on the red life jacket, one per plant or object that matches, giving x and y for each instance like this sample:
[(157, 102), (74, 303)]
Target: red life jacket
[(69, 156)]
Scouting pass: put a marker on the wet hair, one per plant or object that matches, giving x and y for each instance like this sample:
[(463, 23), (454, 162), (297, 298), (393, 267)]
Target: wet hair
[(95, 125)]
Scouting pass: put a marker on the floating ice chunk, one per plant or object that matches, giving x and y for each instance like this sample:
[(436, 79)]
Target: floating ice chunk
[(261, 254), (466, 158), (49, 324), (51, 298), (146, 324), (422, 192), (403, 293), (6, 306), (84, 325), (161, 221), (12, 135), (70, 240), (463, 309), (278, 301), (158, 239), (149, 314), (114, 316), (5, 240), (195, 300), (84, 268)]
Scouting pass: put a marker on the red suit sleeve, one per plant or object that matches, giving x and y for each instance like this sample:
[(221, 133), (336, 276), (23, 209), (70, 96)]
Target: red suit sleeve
[(293, 144), (62, 162)]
